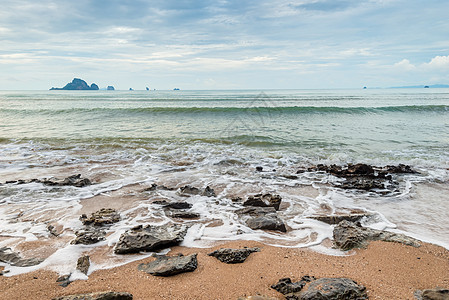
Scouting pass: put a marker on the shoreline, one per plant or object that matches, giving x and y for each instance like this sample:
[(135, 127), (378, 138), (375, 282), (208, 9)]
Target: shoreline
[(388, 271)]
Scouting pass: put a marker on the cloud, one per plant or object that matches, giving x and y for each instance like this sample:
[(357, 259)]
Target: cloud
[(404, 65), (439, 62)]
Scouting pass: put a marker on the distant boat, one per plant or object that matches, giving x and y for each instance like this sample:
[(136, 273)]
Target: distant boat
[(176, 89)]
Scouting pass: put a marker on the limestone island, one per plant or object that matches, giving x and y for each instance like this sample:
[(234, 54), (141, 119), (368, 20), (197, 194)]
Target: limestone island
[(77, 84)]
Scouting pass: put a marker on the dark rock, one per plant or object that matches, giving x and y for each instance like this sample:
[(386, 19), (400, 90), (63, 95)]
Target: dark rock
[(400, 169), (335, 219), (208, 192), (183, 215), (150, 238), (262, 218), (83, 264), (286, 286), (233, 256), (101, 217), (14, 259), (236, 199), (348, 235), (178, 205), (290, 176), (259, 169), (189, 190), (75, 180), (432, 294), (332, 289), (169, 266), (64, 280), (77, 84), (362, 183), (264, 200), (98, 296), (110, 88), (52, 230), (89, 236)]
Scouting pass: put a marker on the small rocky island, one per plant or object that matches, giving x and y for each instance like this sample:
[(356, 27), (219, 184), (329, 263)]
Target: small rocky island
[(77, 84)]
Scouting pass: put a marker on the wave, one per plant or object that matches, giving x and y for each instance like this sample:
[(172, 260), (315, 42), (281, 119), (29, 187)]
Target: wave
[(232, 110)]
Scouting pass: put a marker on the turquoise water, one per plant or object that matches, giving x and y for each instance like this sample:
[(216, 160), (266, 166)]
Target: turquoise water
[(124, 141)]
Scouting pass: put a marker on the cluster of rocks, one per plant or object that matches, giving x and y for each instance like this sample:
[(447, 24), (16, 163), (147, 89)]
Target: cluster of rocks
[(363, 176), (93, 231), (322, 289), (73, 180)]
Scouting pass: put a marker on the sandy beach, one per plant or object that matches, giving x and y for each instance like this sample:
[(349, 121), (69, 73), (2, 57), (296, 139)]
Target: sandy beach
[(387, 270)]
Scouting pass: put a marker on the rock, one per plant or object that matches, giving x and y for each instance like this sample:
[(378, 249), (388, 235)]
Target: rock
[(64, 280), (101, 217), (178, 205), (98, 296), (265, 200), (189, 190), (399, 169), (169, 266), (263, 218), (110, 88), (233, 256), (77, 84), (347, 235), (83, 264), (335, 219), (89, 236), (362, 183), (285, 286), (14, 259), (259, 169), (183, 215), (432, 294), (332, 289), (208, 192), (52, 230), (150, 238), (75, 180)]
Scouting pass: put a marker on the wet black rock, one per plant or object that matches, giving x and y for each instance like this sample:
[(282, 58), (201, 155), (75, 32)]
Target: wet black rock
[(264, 200), (101, 217), (89, 236), (170, 265), (74, 180), (77, 84), (83, 264), (348, 235), (14, 259), (183, 214), (332, 289), (98, 296), (150, 238), (286, 287), (335, 219), (178, 205), (208, 192), (233, 256), (262, 218), (259, 169)]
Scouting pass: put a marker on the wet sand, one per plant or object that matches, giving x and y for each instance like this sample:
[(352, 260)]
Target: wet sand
[(388, 270)]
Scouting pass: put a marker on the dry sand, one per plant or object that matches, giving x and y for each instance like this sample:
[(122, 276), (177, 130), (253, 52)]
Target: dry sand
[(388, 270)]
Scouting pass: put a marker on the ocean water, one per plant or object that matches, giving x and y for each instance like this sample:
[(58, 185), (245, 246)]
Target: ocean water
[(124, 141)]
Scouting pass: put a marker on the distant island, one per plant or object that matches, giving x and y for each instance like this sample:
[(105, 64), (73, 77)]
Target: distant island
[(434, 86), (77, 84)]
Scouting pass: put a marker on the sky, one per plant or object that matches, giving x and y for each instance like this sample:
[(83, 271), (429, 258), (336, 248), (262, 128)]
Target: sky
[(223, 44)]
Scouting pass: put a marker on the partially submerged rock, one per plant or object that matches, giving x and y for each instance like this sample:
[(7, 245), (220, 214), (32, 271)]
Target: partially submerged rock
[(83, 264), (189, 190), (14, 259), (102, 217), (98, 296), (64, 280), (170, 265), (263, 218), (264, 200), (150, 238), (233, 256), (89, 236), (285, 286), (74, 180), (337, 218), (347, 235), (333, 289)]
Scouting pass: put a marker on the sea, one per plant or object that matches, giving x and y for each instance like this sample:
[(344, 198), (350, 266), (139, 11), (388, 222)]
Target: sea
[(239, 143)]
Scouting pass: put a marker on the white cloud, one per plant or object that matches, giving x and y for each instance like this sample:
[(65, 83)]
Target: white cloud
[(405, 65), (439, 62)]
